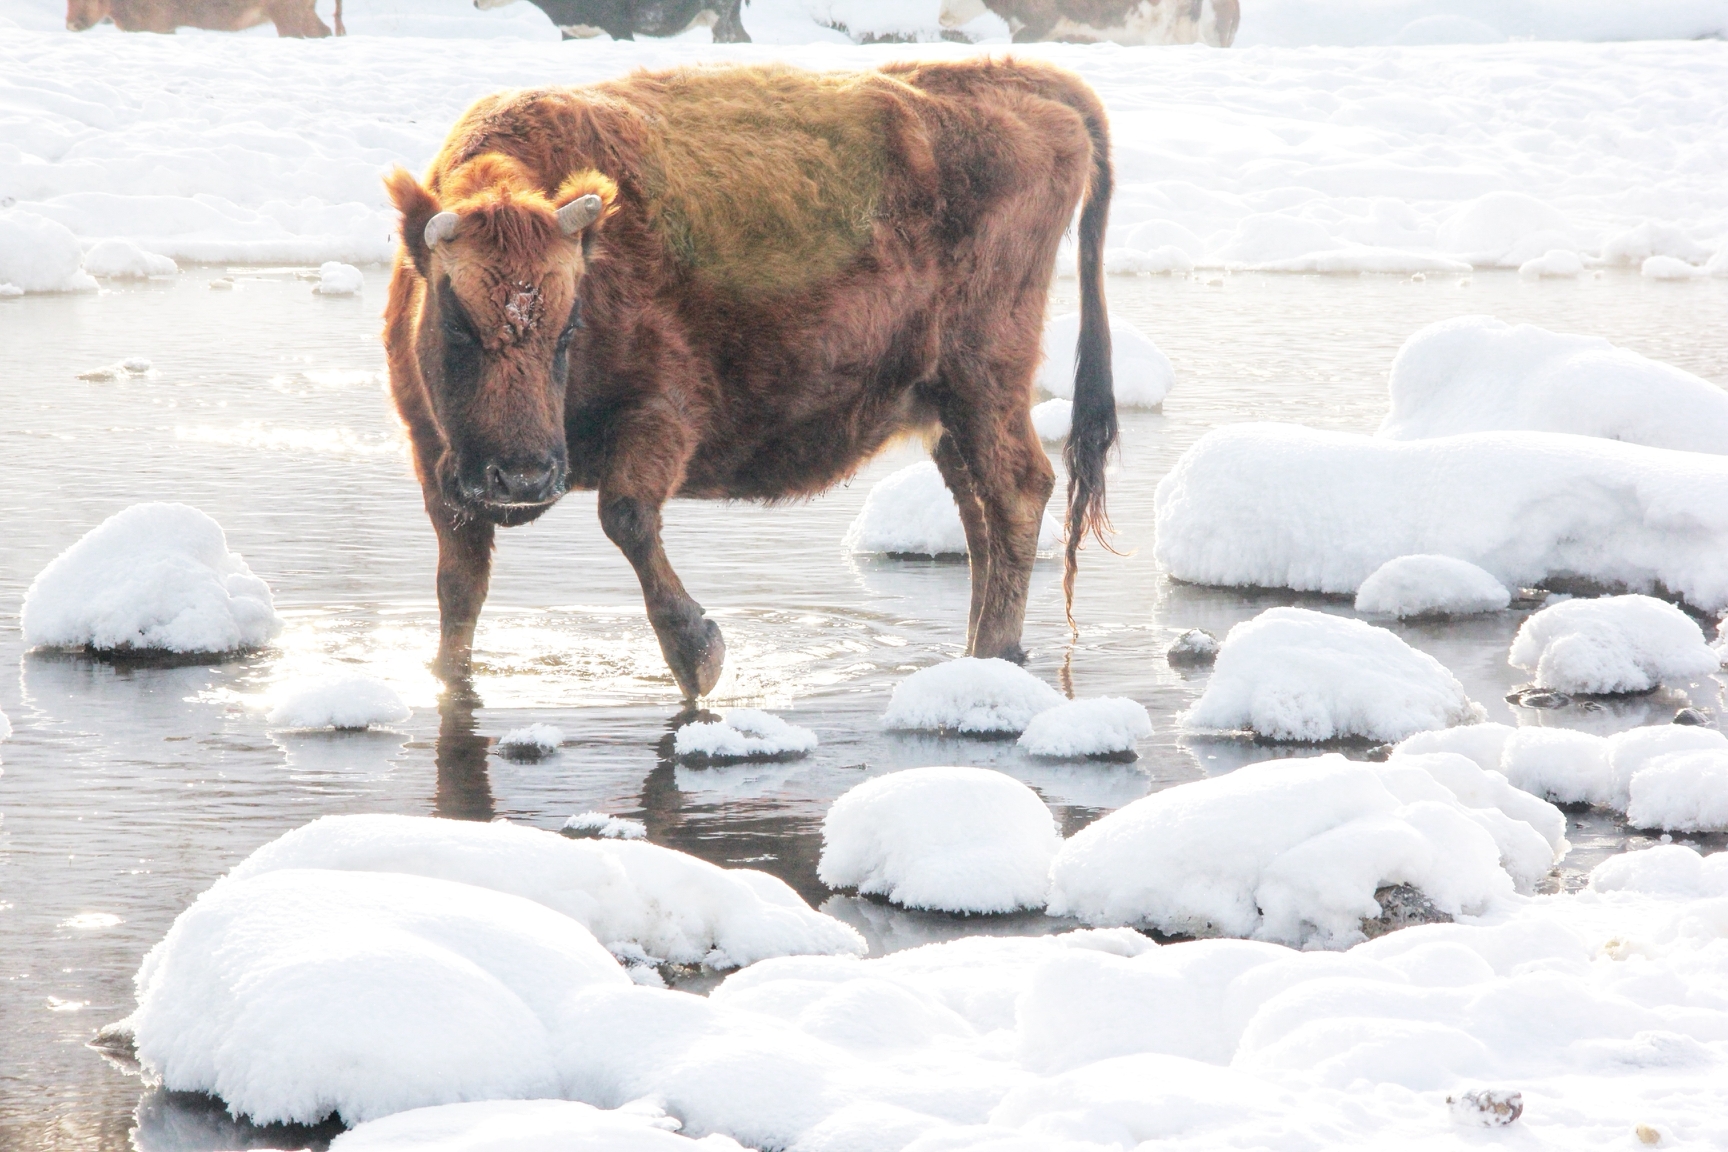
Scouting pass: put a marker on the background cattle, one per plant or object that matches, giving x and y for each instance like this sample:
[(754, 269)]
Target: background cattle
[(1118, 21), (292, 17), (627, 19)]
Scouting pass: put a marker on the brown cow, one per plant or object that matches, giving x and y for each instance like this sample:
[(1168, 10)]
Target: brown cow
[(739, 283), (291, 17), (1131, 22)]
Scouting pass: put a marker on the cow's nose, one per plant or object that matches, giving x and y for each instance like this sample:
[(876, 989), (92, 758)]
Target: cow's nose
[(521, 484)]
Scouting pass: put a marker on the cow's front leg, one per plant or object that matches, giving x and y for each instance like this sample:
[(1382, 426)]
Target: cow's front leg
[(690, 641), (464, 571)]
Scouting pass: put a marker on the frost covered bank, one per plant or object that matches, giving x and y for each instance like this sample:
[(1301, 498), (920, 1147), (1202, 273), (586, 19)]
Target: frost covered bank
[(1384, 158)]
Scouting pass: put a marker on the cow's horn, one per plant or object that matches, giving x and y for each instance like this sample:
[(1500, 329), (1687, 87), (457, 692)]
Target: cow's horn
[(579, 213), (441, 227)]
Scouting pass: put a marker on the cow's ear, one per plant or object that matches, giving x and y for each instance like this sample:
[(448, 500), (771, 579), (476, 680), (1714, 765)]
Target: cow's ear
[(417, 206), (580, 186)]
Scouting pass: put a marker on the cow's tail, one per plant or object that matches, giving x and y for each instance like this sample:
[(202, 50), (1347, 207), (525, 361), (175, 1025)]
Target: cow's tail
[(1093, 434), (340, 30)]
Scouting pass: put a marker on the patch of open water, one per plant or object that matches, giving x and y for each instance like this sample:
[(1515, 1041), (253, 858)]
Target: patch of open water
[(127, 791)]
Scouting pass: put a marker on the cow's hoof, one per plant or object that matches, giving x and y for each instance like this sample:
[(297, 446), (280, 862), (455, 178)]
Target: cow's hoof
[(697, 657)]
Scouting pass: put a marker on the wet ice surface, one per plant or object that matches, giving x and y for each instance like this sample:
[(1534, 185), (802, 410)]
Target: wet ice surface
[(127, 790)]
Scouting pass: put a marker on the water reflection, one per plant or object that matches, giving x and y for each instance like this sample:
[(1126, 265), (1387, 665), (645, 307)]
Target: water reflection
[(194, 1122), (464, 781)]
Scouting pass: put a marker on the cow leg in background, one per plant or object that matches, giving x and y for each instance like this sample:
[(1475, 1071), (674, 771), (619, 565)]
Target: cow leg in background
[(464, 572), (296, 18), (959, 481), (729, 29), (645, 464)]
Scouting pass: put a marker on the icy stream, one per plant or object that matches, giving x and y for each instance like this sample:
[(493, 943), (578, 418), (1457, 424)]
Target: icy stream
[(127, 790)]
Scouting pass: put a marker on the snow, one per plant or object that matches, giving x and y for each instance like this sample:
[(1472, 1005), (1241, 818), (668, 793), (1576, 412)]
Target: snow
[(40, 255), (628, 893), (912, 513), (1670, 268), (1503, 229), (1300, 22), (1294, 674), (1052, 419), (1142, 373), (1663, 870), (743, 734), (599, 824), (338, 279), (124, 260), (1477, 374), (532, 742), (1556, 262), (1195, 647), (1104, 726), (336, 699), (1614, 644), (1290, 851), (948, 839), (1282, 506), (525, 1126), (1430, 586), (1681, 792), (5, 726), (151, 577), (968, 695)]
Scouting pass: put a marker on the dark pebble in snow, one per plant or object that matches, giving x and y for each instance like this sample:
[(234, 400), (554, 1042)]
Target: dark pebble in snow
[(1401, 905), (1693, 716)]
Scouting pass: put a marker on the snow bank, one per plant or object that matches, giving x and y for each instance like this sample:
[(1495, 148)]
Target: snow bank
[(1663, 870), (1293, 674), (1503, 229), (40, 255), (743, 734), (342, 700), (1610, 645), (671, 905), (980, 697), (1559, 263), (338, 279), (1142, 372), (1053, 419), (912, 513), (531, 743), (1104, 726), (1295, 23), (1430, 586), (1290, 851), (600, 825), (152, 577), (1670, 268), (124, 260), (1280, 506), (526, 1126), (949, 839), (1477, 374)]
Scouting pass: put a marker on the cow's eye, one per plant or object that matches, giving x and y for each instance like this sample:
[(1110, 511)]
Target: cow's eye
[(457, 333)]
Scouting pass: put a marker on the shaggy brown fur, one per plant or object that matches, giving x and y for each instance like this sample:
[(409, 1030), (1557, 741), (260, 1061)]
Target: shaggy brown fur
[(789, 270), (297, 18)]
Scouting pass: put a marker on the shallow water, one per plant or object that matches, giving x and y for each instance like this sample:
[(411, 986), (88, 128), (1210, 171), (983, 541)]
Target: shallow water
[(127, 790)]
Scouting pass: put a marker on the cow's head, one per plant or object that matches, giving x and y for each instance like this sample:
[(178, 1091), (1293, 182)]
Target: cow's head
[(502, 261), (82, 14)]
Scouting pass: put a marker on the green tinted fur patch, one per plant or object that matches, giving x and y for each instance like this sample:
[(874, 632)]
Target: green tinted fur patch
[(763, 180)]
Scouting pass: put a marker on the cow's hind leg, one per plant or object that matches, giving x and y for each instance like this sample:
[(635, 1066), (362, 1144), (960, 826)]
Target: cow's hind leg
[(959, 480)]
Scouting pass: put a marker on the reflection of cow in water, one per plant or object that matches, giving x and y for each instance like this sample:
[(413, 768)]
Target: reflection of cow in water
[(291, 17), (1119, 21), (740, 283), (628, 19)]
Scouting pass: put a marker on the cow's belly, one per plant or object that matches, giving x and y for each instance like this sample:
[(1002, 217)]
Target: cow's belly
[(1146, 22)]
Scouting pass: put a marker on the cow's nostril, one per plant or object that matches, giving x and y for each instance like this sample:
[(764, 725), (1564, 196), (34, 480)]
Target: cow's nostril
[(528, 485)]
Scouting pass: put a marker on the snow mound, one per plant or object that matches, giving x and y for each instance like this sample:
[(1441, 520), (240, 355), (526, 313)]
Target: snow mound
[(1053, 419), (124, 260), (982, 697), (668, 904), (526, 1126), (343, 700), (1477, 374), (1670, 268), (1529, 832), (1142, 372), (1566, 767), (1681, 792), (948, 839), (1293, 674), (154, 577), (1504, 229), (598, 825), (1289, 851), (1108, 725), (1614, 644), (1663, 870), (531, 743), (120, 370), (1430, 586), (338, 279), (1653, 238), (294, 993), (40, 255), (1280, 506), (1195, 647), (1556, 262), (912, 513), (743, 734)]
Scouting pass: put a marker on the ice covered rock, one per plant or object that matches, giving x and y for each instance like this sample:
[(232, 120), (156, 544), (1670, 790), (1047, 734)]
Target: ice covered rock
[(912, 513), (743, 734), (672, 905), (1104, 726), (338, 279), (526, 1126), (1529, 832), (1487, 1107), (1143, 375), (1293, 674), (1430, 586), (1564, 766), (154, 577), (1639, 243), (949, 839), (124, 260), (40, 255), (598, 825), (1194, 648), (978, 697), (1290, 851), (1663, 870), (1670, 268), (1504, 229), (1281, 506), (1557, 262), (1614, 644), (119, 370), (343, 700), (1477, 374), (1053, 419), (534, 742), (1681, 792)]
